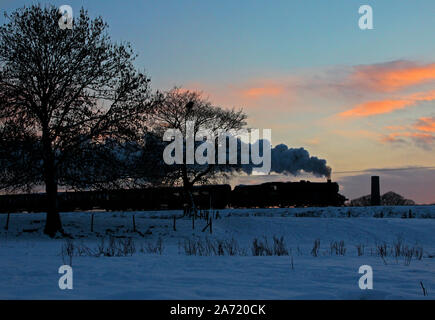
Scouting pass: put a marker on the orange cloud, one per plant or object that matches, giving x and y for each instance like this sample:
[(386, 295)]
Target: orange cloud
[(262, 91), (426, 124), (388, 105), (396, 128), (393, 76), (423, 137), (392, 137), (395, 137), (421, 132)]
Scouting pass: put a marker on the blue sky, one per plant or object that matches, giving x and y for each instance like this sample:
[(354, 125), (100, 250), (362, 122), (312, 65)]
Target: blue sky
[(297, 67), (182, 40)]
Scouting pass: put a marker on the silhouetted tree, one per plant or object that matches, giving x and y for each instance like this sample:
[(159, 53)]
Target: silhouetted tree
[(63, 93), (174, 111)]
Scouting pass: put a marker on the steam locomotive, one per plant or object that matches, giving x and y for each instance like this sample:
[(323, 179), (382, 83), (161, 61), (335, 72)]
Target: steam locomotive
[(271, 194)]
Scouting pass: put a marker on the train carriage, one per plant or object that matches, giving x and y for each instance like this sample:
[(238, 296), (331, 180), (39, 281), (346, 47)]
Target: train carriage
[(271, 194)]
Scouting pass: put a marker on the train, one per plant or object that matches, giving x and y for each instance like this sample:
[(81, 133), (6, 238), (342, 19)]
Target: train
[(265, 195)]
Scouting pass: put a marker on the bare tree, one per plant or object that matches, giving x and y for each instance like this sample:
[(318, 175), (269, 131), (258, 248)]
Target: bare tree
[(177, 110), (62, 90)]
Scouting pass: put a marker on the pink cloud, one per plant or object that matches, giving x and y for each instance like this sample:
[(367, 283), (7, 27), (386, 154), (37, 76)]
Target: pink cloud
[(265, 91), (426, 124), (421, 132), (392, 76), (388, 105)]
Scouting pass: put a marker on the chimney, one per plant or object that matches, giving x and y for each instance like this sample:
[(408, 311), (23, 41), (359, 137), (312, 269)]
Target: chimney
[(376, 194)]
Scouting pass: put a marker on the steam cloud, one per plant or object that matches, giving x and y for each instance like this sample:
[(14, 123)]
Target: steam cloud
[(290, 161), (293, 160), (284, 160)]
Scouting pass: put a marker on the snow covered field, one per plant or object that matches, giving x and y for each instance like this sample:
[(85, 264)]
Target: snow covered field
[(29, 261)]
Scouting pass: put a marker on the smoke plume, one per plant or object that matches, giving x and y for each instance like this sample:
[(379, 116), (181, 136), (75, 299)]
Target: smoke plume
[(289, 161), (294, 160)]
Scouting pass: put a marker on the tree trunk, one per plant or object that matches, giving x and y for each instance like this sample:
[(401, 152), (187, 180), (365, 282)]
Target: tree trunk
[(52, 222), (189, 197), (188, 188)]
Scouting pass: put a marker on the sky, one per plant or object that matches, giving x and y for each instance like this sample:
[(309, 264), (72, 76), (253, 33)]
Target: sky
[(364, 100)]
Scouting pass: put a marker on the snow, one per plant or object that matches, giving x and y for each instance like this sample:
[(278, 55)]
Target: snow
[(29, 260)]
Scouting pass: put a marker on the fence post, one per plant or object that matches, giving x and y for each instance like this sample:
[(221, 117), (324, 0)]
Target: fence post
[(134, 224), (175, 229), (92, 223)]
